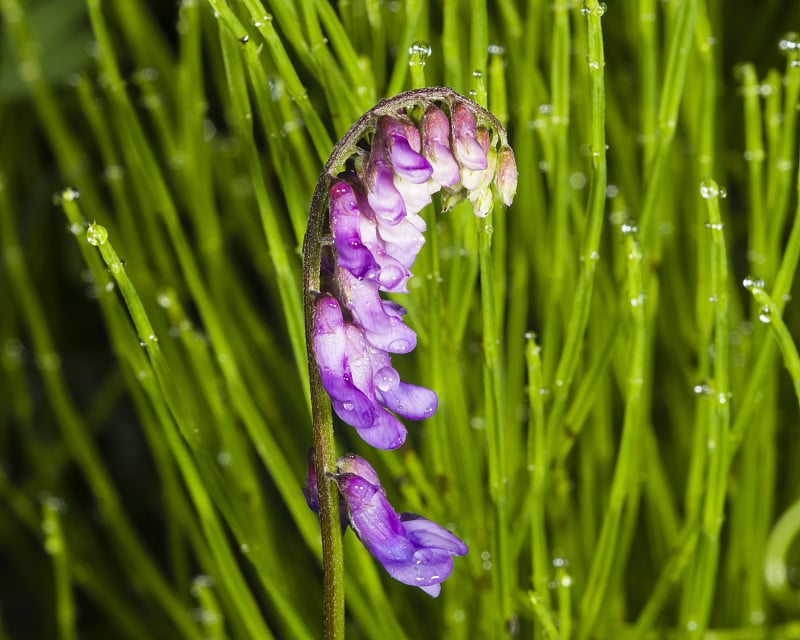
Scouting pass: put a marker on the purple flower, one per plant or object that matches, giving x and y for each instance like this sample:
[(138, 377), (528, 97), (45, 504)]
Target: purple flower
[(382, 195), (352, 254), (360, 379), (436, 147), (466, 148), (383, 329), (412, 549), (406, 161)]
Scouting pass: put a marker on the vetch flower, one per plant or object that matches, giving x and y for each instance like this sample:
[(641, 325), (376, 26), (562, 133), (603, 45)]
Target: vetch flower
[(383, 328), (467, 150), (377, 234), (412, 549), (352, 254), (363, 386), (436, 148)]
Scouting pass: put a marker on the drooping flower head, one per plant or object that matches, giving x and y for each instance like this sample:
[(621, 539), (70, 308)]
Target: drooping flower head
[(457, 148), (412, 549)]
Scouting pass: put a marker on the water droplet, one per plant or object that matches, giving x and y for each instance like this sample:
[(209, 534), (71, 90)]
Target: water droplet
[(386, 379), (477, 73), (348, 406), (790, 43), (753, 284), (496, 50), (244, 548), (244, 39), (418, 53), (628, 228), (709, 189), (96, 234), (765, 315)]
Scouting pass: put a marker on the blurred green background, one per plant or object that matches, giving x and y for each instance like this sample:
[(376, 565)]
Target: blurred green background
[(150, 487)]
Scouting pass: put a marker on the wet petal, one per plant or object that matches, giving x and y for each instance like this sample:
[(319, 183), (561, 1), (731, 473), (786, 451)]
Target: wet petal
[(382, 195), (466, 147), (426, 533), (436, 147), (406, 162), (352, 253), (410, 401), (330, 346), (383, 331)]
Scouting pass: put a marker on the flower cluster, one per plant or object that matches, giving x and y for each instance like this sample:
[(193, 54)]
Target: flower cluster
[(377, 233), (454, 147), (412, 549)]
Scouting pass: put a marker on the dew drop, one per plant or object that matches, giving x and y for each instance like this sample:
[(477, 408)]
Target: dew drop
[(753, 284), (709, 189), (419, 52), (348, 406), (386, 379), (96, 235), (399, 346), (765, 315)]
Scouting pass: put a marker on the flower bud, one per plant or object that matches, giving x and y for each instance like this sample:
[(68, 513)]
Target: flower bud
[(505, 182)]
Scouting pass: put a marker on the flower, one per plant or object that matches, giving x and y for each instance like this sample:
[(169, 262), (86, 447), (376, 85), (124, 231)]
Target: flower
[(412, 549), (363, 386), (377, 234)]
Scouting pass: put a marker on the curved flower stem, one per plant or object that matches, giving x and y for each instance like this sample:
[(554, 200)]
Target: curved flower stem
[(316, 239)]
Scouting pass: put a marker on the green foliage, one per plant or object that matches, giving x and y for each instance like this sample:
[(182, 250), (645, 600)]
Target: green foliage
[(614, 354)]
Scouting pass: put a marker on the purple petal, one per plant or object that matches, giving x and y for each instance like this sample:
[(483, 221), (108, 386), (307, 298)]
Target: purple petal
[(383, 331), (413, 550), (426, 533), (409, 401), (386, 433), (356, 465), (330, 345), (426, 568), (373, 519), (404, 239), (406, 162), (436, 147), (391, 274), (466, 148), (353, 255), (481, 178), (382, 195)]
